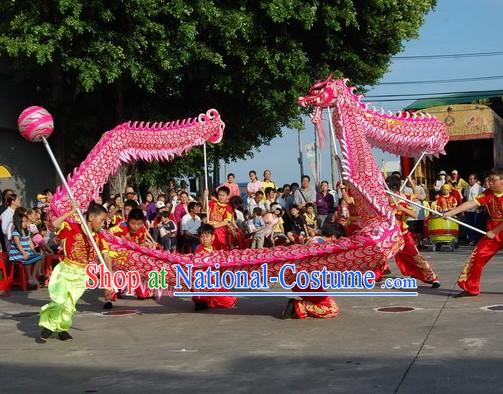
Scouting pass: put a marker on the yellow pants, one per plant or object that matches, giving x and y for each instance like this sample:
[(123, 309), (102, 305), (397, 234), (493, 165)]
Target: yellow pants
[(66, 286)]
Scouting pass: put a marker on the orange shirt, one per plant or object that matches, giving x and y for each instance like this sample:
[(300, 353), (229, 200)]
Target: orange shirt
[(218, 212), (122, 231), (494, 204), (76, 246)]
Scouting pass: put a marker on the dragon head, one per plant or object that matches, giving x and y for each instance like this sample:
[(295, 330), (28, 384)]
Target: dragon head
[(322, 93)]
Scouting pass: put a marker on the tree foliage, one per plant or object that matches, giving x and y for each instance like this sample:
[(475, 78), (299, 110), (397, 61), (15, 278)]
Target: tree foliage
[(96, 63)]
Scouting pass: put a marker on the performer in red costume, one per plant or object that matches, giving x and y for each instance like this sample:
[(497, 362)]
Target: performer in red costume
[(221, 217), (492, 242), (206, 235), (409, 260), (133, 230), (321, 307)]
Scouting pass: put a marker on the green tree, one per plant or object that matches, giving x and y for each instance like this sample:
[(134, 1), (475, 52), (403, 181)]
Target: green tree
[(96, 63)]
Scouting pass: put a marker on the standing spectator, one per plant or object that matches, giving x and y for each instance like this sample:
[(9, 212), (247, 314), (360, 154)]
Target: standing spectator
[(257, 226), (305, 193), (5, 194), (231, 185), (472, 214), (190, 224), (253, 186), (151, 207), (458, 183), (267, 182), (293, 188), (325, 204), (182, 208), (12, 203), (440, 181)]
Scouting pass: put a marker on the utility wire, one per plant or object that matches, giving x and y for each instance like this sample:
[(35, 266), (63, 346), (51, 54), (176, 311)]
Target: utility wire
[(465, 92), (487, 78), (449, 56)]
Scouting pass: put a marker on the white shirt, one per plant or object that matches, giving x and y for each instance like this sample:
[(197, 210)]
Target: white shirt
[(470, 192), (190, 224), (6, 219), (253, 204), (438, 184)]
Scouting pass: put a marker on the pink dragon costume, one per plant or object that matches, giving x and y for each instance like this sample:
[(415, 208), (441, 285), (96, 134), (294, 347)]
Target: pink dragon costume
[(357, 129)]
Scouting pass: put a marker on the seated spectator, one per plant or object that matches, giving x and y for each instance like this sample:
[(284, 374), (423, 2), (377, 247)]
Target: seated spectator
[(257, 202), (299, 230), (310, 218), (22, 249), (270, 198), (190, 224), (165, 232)]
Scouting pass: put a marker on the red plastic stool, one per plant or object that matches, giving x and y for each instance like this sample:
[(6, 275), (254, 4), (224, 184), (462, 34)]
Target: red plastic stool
[(18, 275), (5, 279)]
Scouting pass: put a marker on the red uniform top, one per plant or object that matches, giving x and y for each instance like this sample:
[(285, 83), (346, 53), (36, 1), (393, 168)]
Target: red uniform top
[(457, 195), (201, 249), (494, 204), (76, 246), (122, 231), (218, 212), (401, 216), (446, 203)]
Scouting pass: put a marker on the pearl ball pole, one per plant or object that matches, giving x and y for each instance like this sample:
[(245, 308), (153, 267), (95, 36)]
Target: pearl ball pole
[(36, 124)]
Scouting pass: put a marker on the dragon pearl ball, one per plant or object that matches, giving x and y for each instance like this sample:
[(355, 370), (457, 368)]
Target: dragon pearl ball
[(34, 123)]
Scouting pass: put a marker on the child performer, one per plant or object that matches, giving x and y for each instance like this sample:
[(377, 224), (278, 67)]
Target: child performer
[(409, 260), (134, 230), (206, 235), (492, 242), (221, 217), (322, 307), (68, 280)]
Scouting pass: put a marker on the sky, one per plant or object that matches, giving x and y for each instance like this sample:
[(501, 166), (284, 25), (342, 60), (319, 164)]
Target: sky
[(454, 26)]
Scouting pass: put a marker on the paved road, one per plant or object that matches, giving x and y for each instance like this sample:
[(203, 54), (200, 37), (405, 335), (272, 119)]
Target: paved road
[(446, 345)]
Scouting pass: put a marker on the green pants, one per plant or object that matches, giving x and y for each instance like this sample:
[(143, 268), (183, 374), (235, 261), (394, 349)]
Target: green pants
[(66, 286)]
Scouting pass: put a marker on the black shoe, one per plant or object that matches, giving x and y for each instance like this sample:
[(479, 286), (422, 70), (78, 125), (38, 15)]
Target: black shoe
[(64, 336), (435, 284), (200, 306), (108, 305), (45, 334), (288, 312), (464, 294)]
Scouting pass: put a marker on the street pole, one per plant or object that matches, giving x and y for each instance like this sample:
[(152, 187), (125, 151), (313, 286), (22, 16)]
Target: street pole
[(300, 159)]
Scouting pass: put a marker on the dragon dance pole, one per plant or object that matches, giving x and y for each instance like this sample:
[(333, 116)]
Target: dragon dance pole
[(332, 136), (205, 167), (83, 221), (435, 212), (413, 169)]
